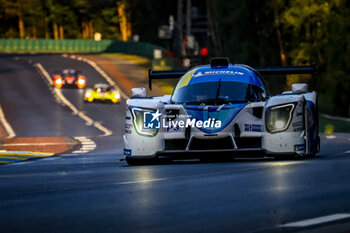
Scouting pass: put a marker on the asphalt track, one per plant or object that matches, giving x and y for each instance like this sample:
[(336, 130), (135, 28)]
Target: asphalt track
[(96, 192)]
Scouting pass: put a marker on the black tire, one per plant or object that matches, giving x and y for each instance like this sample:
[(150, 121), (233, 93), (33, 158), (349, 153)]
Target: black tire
[(316, 148), (132, 161), (301, 157), (135, 162)]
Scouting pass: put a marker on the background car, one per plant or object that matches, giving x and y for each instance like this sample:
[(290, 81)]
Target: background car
[(69, 78), (102, 93)]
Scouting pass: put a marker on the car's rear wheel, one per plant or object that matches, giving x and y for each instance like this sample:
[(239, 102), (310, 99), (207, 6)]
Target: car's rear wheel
[(301, 156), (315, 148)]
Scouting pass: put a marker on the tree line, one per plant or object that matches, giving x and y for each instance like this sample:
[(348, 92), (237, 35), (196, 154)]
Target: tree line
[(58, 19), (257, 33), (290, 32)]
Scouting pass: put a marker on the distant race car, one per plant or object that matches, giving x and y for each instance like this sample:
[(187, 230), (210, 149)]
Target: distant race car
[(222, 107), (69, 78), (102, 93)]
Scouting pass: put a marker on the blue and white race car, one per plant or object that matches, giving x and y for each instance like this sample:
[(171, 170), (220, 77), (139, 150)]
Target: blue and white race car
[(222, 107)]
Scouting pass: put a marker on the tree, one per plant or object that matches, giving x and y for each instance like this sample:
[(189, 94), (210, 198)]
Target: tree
[(320, 33), (14, 9)]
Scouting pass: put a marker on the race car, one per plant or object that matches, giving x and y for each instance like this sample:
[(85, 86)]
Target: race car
[(102, 93), (69, 78), (222, 108)]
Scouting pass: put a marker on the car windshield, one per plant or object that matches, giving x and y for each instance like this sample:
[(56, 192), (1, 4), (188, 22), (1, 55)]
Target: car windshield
[(98, 89), (217, 93), (102, 88), (69, 73)]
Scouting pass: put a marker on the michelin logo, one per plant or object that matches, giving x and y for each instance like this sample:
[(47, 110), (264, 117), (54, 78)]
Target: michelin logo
[(217, 72), (197, 75)]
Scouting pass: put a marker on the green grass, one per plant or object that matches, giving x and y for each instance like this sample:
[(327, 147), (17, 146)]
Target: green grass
[(137, 60), (330, 126), (167, 86)]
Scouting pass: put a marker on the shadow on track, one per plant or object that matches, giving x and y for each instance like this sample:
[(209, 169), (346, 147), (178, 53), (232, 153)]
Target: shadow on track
[(219, 158)]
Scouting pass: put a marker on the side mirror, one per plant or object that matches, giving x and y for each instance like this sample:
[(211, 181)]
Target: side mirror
[(138, 92), (299, 88)]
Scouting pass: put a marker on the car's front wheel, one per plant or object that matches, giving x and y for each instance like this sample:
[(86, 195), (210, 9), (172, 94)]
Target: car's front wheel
[(133, 161)]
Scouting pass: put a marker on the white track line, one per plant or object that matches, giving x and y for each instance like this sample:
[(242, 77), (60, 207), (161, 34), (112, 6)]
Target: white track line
[(331, 136), (87, 142), (100, 71), (316, 221), (9, 130), (58, 94), (82, 137), (140, 181), (87, 145), (37, 144)]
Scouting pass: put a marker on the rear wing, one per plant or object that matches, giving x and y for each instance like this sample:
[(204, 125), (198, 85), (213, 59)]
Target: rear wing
[(274, 70), (283, 70)]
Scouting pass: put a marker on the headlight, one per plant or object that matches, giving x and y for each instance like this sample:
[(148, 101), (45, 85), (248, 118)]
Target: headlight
[(117, 96), (140, 122), (58, 81), (81, 81), (87, 94), (278, 118)]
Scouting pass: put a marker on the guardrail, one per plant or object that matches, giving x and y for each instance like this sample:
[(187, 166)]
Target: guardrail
[(77, 46)]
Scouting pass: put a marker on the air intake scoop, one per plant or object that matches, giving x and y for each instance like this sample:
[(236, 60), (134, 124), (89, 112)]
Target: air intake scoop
[(219, 62)]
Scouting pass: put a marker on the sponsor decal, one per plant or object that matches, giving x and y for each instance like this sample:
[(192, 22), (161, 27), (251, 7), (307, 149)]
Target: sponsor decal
[(299, 147), (127, 152), (197, 75), (217, 72), (128, 128), (252, 127), (298, 126)]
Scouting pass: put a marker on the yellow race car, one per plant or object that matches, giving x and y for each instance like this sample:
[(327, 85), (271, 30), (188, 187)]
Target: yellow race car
[(102, 93)]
